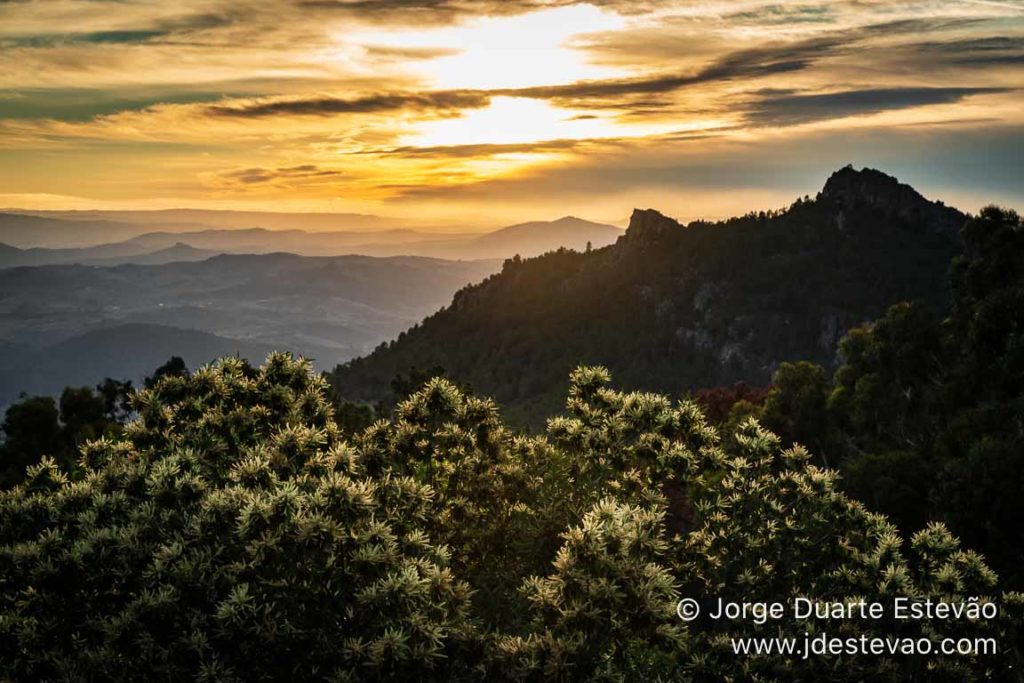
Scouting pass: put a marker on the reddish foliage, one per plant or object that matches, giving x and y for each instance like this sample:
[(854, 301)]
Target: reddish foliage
[(718, 401)]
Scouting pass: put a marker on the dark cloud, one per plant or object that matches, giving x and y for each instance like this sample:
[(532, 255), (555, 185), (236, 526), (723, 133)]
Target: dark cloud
[(747, 64), (783, 110), (984, 160), (254, 176), (402, 54), (639, 94), (94, 38), (158, 31), (83, 104), (779, 14), (451, 100), (446, 11), (976, 52)]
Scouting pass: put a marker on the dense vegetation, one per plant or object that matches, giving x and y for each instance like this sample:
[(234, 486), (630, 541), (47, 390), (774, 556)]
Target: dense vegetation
[(38, 425), (925, 417), (231, 533), (673, 309)]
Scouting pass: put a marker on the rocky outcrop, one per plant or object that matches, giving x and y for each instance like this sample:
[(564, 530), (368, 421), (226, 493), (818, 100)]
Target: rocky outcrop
[(647, 226), (849, 188)]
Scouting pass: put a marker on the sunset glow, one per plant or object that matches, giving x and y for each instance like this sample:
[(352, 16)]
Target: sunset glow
[(439, 110)]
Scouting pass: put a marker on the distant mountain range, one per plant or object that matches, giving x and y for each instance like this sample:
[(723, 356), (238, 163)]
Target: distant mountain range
[(673, 307), (529, 239), (27, 231), (104, 254), (131, 351), (113, 321), (191, 219)]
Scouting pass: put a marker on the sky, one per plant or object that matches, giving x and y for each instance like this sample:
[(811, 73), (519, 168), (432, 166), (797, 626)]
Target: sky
[(479, 112)]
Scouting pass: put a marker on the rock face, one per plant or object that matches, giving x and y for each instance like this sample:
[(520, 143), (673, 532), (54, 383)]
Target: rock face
[(849, 187), (647, 225)]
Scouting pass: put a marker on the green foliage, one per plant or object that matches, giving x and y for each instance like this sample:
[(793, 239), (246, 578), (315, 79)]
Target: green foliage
[(35, 427), (795, 407), (31, 427), (233, 533), (174, 367), (932, 412), (228, 536), (607, 612)]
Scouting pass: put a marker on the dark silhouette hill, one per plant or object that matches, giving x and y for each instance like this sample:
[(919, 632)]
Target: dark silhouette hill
[(329, 309), (124, 352), (672, 307)]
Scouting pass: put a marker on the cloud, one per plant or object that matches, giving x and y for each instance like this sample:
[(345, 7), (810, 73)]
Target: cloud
[(989, 51), (146, 32), (259, 175), (748, 64), (790, 109), (402, 54), (165, 98), (443, 101), (488, 150), (451, 11), (717, 178), (782, 14)]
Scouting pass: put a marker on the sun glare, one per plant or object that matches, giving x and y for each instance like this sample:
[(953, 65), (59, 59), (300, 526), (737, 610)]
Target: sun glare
[(508, 120), (506, 52)]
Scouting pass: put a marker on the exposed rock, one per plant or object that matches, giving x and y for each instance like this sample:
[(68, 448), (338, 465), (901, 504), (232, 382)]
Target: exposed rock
[(706, 294), (849, 187), (647, 225), (830, 332)]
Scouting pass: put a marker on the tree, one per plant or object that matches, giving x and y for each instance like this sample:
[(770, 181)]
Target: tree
[(405, 385), (35, 427), (83, 415), (931, 410), (796, 407), (229, 536), (232, 532), (718, 402), (31, 428), (174, 367), (116, 398)]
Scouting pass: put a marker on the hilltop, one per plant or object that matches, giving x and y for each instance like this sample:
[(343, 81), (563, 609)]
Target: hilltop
[(672, 307)]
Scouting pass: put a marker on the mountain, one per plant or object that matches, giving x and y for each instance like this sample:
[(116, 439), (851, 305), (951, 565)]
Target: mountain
[(193, 218), (26, 231), (672, 307), (326, 308), (263, 241), (123, 352), (105, 254), (526, 239), (530, 239), (177, 253)]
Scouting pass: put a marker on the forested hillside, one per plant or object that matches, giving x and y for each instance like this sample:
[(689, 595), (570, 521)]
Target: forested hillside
[(672, 308)]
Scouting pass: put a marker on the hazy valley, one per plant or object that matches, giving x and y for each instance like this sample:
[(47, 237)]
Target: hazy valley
[(119, 309)]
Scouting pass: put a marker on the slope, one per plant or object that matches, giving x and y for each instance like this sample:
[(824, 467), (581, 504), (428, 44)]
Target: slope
[(671, 308)]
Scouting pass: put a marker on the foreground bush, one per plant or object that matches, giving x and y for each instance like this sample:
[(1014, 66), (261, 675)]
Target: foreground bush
[(232, 534)]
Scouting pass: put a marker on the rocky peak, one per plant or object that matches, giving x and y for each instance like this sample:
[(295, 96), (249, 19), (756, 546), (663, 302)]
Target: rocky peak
[(849, 187), (647, 225)]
